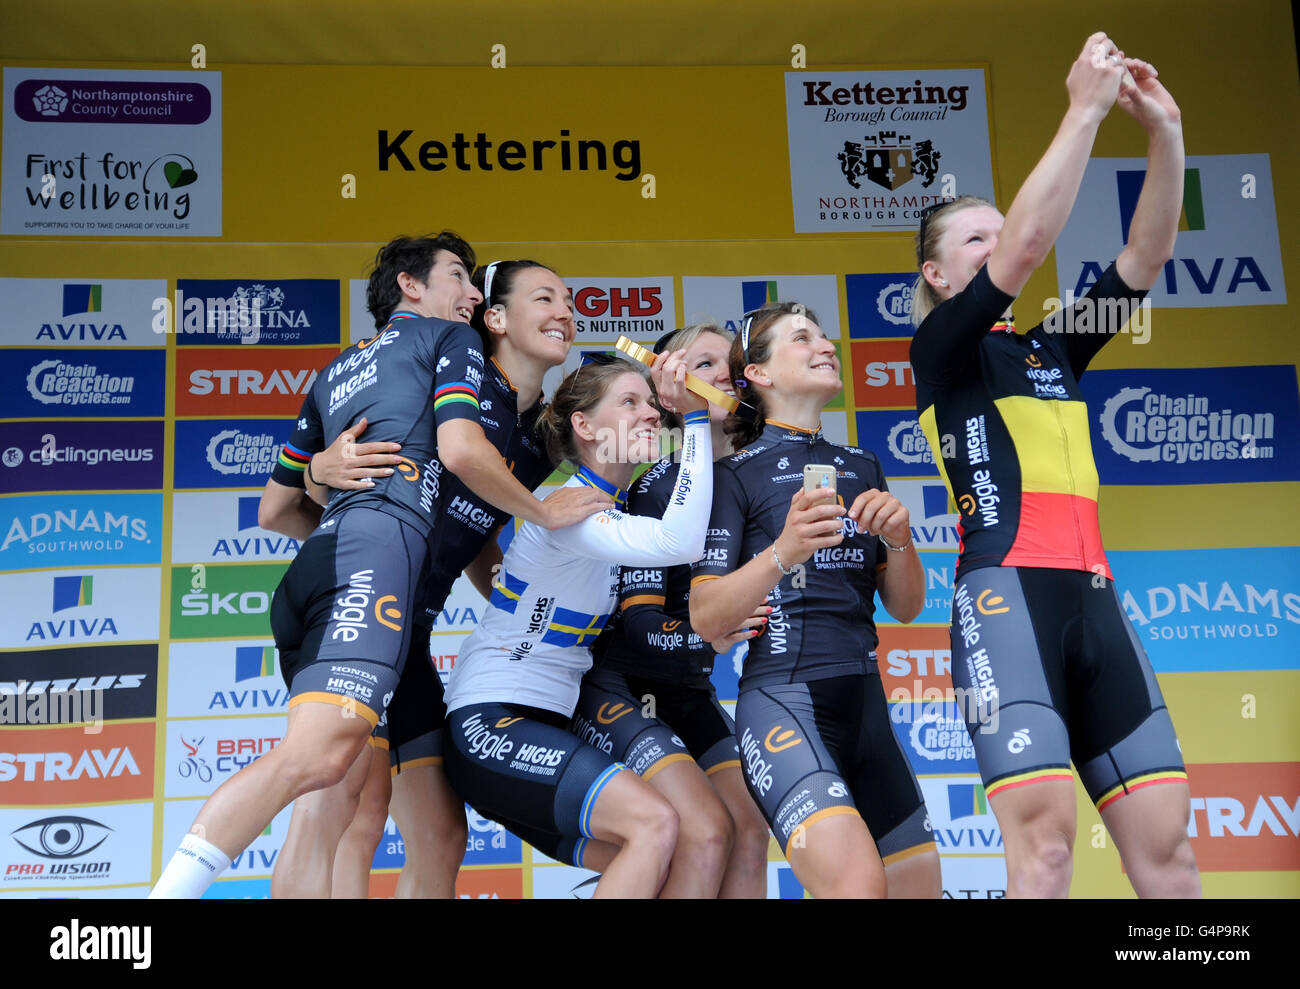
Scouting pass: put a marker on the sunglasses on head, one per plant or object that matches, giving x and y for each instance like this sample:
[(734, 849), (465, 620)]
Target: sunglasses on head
[(487, 282), (601, 357), (929, 211)]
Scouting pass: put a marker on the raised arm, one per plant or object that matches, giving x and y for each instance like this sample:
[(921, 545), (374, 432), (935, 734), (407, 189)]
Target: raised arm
[(1155, 219), (1041, 207)]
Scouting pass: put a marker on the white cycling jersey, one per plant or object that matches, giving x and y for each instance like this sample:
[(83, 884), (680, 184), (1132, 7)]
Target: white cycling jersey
[(556, 589)]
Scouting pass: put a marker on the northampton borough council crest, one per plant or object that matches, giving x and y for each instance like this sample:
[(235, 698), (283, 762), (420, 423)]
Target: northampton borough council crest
[(889, 159)]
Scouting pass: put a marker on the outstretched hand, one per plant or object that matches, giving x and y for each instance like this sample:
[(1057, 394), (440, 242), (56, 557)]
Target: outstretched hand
[(1145, 99)]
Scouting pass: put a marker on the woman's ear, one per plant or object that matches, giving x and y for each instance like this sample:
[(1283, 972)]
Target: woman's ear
[(757, 375), (934, 277), (495, 320), (582, 426)]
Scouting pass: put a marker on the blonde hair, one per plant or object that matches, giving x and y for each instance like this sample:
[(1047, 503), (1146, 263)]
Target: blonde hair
[(683, 339), (924, 297), (581, 390)]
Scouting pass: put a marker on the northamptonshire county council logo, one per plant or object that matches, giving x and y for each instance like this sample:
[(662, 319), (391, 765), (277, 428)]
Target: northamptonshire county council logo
[(50, 101), (889, 159)]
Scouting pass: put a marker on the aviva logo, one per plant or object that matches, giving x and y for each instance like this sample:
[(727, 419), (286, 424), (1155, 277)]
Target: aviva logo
[(1192, 216), (254, 661), (966, 800), (72, 592), (82, 298), (754, 295)]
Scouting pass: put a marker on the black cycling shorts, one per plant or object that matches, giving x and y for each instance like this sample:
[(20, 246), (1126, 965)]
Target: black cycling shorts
[(341, 615), (1048, 669), (824, 747), (520, 766), (416, 712), (648, 724)]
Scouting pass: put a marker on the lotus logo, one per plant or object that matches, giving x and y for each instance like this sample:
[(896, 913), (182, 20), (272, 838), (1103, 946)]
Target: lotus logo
[(50, 101)]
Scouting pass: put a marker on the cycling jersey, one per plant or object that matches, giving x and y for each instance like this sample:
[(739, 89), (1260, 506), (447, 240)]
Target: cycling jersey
[(556, 590), (651, 635), (821, 624), (411, 377), (1007, 421)]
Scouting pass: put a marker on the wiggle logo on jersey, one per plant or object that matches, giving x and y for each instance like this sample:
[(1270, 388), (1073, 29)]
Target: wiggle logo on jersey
[(383, 614), (507, 722), (407, 469), (758, 768), (482, 742), (778, 740), (352, 607)]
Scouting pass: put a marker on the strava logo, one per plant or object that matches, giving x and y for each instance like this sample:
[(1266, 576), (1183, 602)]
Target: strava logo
[(1245, 816)]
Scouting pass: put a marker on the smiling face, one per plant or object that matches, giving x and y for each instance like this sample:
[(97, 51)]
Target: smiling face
[(446, 293), (537, 317), (801, 360), (706, 358), (968, 239), (625, 423)]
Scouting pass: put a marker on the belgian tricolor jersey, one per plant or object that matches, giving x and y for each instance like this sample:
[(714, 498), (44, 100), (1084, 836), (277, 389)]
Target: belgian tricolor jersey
[(1006, 419)]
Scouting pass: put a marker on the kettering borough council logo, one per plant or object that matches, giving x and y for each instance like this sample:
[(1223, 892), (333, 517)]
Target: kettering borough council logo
[(889, 159)]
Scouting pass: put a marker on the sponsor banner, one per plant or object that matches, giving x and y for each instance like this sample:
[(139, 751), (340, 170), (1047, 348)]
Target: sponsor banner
[(1227, 252), (782, 883), (64, 849), (111, 153), (915, 663), (882, 374), (897, 439), (228, 453), (361, 325), (117, 383), (461, 613), (257, 861), (62, 767), (225, 678), (978, 878), (869, 149), (239, 889), (80, 530), (1195, 425), (940, 579), (961, 819), (256, 311), (56, 312), (928, 717), (725, 300), (66, 607), (1213, 609), (606, 308), (203, 754), (488, 843), (247, 381), (880, 305), (221, 527), (562, 882), (1245, 816), (211, 602), (114, 682), (81, 455), (934, 526), (726, 672)]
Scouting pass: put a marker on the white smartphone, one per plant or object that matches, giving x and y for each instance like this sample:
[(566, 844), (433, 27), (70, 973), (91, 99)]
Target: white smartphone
[(817, 476)]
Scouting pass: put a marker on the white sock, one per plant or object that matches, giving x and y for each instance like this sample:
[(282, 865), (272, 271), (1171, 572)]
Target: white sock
[(191, 871)]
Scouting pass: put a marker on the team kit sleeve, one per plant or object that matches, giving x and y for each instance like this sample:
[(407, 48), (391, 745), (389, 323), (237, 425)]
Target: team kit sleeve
[(642, 541), (946, 344), (457, 374), (306, 439), (1079, 331), (726, 528), (643, 595)]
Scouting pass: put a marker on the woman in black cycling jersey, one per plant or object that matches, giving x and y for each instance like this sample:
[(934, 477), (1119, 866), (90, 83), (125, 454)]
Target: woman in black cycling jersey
[(818, 752), (1050, 669)]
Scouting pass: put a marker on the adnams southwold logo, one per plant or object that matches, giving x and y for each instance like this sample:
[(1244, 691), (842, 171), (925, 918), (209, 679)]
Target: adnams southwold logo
[(79, 530)]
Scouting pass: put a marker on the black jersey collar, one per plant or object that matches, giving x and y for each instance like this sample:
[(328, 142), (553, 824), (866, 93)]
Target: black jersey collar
[(780, 432)]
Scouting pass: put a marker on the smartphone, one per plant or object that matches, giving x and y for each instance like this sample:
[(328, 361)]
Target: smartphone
[(817, 476)]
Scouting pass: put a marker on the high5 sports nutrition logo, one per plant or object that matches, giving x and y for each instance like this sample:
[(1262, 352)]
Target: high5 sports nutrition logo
[(1195, 426)]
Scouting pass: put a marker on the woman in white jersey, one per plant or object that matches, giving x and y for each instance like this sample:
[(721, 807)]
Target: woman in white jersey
[(506, 744)]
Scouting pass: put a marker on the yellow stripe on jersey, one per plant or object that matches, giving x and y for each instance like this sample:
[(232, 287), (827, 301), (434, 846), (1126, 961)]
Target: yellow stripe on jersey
[(1048, 435)]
